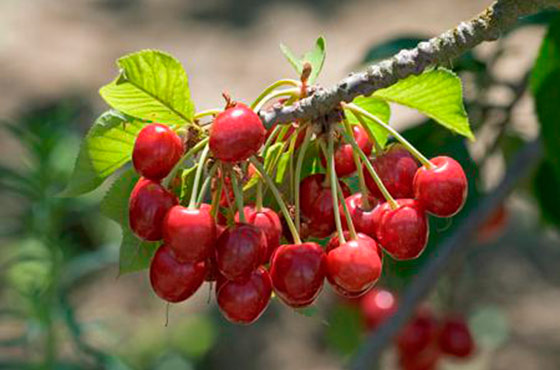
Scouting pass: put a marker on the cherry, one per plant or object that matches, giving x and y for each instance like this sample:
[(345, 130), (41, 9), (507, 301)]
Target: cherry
[(442, 190), (244, 302), (190, 232), (455, 338), (334, 242), (317, 205), (362, 219), (240, 250), (344, 155), (147, 206), (268, 222), (297, 272), (156, 151), (354, 266), (376, 306), (172, 280), (418, 334), (236, 134), (402, 232), (427, 359), (396, 168)]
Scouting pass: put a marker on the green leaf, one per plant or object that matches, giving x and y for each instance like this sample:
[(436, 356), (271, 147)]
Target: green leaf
[(153, 86), (315, 57), (135, 254), (106, 148), (379, 108), (438, 94)]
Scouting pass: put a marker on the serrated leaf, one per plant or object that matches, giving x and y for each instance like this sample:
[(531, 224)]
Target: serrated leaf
[(135, 254), (379, 108), (152, 85), (438, 94), (315, 57), (106, 148)]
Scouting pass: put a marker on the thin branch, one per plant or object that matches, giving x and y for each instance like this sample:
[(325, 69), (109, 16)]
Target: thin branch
[(371, 349), (487, 26)]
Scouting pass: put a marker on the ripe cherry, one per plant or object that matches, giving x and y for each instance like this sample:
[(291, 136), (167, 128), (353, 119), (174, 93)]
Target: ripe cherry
[(172, 280), (455, 338), (240, 250), (442, 190), (236, 134), (362, 219), (402, 232), (268, 222), (317, 205), (376, 306), (334, 242), (244, 302), (418, 334), (344, 155), (156, 151), (297, 272), (424, 360), (396, 168), (354, 266), (190, 232), (147, 206)]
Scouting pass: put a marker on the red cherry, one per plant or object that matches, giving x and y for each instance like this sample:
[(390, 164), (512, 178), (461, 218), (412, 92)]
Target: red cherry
[(396, 168), (240, 250), (455, 338), (354, 266), (402, 232), (147, 206), (418, 334), (236, 134), (156, 151), (442, 190), (334, 242), (317, 205), (172, 280), (344, 155), (425, 360), (190, 232), (244, 302), (376, 306), (268, 222), (297, 272), (362, 219)]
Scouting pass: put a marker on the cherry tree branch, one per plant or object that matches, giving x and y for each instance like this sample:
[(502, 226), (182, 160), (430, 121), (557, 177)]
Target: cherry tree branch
[(487, 26)]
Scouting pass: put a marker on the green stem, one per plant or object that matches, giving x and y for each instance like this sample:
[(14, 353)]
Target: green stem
[(198, 175), (238, 196), (415, 152), (279, 199), (371, 170), (291, 162), (259, 197), (195, 149), (299, 164), (361, 180), (349, 221), (272, 137), (274, 95), (271, 88), (334, 191), (206, 184), (378, 149), (208, 112)]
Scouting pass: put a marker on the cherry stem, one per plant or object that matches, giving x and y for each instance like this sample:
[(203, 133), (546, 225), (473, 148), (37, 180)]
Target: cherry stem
[(238, 193), (347, 215), (279, 200), (208, 112), (371, 170), (361, 180), (299, 165), (216, 198), (206, 184), (415, 152), (291, 150), (272, 87), (259, 197), (378, 149), (195, 149), (198, 175), (276, 94), (331, 171)]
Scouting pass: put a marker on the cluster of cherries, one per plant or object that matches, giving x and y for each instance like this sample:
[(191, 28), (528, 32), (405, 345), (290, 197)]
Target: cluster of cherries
[(242, 252), (425, 339)]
